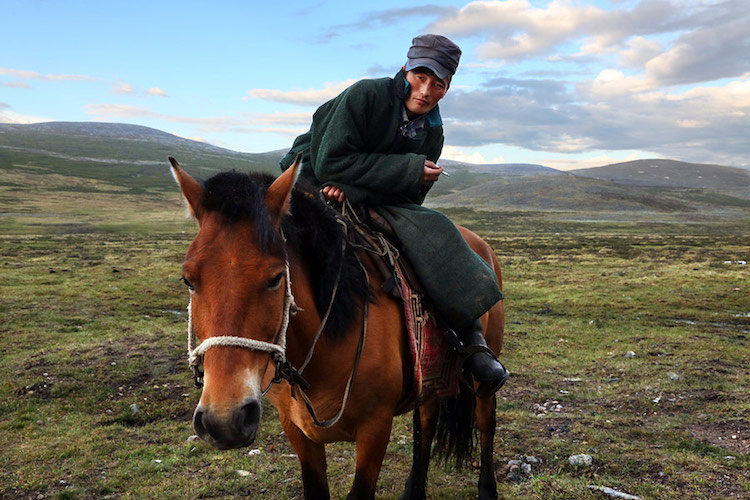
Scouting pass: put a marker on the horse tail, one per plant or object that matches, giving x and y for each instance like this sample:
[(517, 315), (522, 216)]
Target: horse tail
[(455, 433)]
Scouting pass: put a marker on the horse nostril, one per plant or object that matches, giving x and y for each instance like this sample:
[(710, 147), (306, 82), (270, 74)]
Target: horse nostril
[(248, 417), (198, 425)]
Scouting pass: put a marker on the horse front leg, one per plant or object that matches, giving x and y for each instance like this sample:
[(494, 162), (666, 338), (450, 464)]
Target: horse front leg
[(424, 423), (485, 413), (371, 440), (312, 459)]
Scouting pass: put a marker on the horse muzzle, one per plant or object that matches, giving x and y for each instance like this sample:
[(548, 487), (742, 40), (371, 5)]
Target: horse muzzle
[(227, 430)]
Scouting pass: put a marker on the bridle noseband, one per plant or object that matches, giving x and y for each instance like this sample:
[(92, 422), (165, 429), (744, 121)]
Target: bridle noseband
[(276, 350)]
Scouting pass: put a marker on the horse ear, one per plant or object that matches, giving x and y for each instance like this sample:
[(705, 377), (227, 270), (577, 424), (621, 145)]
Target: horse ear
[(191, 189), (279, 192)]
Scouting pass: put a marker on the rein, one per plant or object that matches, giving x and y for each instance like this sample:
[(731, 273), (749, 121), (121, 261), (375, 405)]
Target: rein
[(277, 350)]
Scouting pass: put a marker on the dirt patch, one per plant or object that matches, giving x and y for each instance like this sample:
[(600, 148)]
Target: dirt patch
[(732, 435), (41, 390)]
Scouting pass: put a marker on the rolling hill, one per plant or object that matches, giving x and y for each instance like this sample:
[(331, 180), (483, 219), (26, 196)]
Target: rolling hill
[(672, 173), (132, 159), (130, 156), (574, 193)]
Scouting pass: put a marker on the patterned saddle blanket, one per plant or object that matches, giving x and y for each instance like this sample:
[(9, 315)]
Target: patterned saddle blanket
[(436, 364)]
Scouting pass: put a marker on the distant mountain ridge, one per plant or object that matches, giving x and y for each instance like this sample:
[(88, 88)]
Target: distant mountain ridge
[(134, 159), (670, 173), (502, 168)]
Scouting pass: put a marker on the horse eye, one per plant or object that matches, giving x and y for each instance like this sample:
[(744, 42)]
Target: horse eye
[(188, 284), (275, 282)]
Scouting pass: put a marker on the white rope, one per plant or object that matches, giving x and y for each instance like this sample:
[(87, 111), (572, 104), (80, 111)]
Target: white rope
[(277, 350)]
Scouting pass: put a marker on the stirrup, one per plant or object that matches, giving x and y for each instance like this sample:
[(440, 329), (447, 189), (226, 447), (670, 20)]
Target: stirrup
[(485, 388)]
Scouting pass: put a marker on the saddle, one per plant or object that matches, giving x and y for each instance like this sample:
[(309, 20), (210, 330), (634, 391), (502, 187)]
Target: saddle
[(434, 363)]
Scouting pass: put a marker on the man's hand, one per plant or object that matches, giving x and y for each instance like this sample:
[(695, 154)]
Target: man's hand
[(431, 172), (333, 193)]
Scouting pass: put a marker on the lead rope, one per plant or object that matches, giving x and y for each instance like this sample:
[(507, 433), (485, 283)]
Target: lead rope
[(324, 320), (350, 383)]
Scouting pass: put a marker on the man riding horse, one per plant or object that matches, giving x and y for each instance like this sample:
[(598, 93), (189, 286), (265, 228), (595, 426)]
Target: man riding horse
[(376, 145)]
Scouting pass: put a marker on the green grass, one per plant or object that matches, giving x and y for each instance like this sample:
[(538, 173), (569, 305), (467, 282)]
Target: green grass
[(93, 322)]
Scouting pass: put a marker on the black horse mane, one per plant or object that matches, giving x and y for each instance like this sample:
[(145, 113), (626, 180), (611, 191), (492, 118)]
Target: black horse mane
[(311, 230)]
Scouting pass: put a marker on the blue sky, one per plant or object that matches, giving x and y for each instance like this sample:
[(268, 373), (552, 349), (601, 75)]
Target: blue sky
[(566, 84)]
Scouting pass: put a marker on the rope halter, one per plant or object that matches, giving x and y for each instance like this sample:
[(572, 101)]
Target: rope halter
[(276, 350)]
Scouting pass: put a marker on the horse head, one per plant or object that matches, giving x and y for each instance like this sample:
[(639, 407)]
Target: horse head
[(236, 270)]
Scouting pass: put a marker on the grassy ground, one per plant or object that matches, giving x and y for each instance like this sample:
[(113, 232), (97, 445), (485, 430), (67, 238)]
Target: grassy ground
[(93, 323)]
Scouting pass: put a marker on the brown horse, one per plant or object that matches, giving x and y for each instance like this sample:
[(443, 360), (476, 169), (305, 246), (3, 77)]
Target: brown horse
[(263, 269)]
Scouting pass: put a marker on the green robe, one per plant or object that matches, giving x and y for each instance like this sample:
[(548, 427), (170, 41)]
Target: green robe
[(354, 143)]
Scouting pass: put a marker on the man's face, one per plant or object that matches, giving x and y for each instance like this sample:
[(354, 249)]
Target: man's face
[(426, 89)]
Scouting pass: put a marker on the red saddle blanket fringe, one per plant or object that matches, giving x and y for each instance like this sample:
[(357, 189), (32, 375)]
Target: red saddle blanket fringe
[(435, 362)]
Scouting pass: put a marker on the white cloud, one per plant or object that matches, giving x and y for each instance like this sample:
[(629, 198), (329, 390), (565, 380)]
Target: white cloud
[(279, 118), (611, 83), (468, 155), (8, 116), (640, 50), (703, 124), (284, 123), (15, 85), (123, 88), (33, 75), (156, 91), (597, 161), (310, 97), (516, 29), (713, 52), (712, 40)]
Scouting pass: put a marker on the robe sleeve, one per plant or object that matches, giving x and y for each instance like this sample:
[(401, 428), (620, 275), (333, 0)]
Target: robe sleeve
[(339, 155)]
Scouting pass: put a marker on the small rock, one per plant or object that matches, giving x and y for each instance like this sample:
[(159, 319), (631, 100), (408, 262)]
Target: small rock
[(192, 438), (580, 460), (514, 463), (256, 451), (673, 376), (614, 493), (243, 473), (532, 460), (526, 469), (630, 354), (134, 408)]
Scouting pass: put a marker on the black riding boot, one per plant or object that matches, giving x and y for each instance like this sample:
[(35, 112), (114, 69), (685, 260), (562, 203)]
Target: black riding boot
[(481, 362)]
